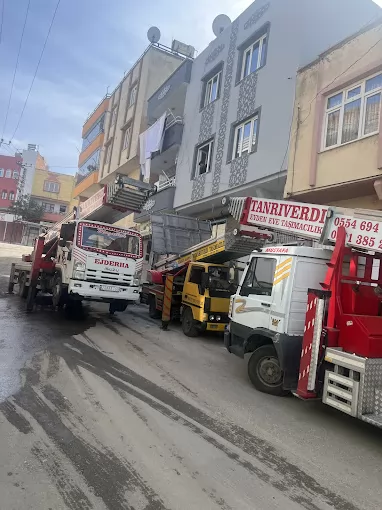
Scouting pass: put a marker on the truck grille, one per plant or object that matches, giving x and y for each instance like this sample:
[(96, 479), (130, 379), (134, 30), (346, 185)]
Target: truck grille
[(98, 276)]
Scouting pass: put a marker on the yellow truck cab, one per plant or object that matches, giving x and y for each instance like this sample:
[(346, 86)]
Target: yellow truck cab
[(205, 298)]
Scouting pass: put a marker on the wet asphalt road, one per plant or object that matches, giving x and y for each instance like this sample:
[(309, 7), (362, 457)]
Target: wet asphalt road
[(113, 413)]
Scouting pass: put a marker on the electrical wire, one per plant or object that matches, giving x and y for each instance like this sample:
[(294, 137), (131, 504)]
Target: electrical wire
[(2, 21), (37, 68), (16, 66)]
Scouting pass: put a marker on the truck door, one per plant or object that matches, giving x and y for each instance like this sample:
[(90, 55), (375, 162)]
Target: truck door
[(252, 306), (191, 289)]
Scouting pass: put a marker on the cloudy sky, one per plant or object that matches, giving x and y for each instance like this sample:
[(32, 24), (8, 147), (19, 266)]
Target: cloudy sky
[(91, 44)]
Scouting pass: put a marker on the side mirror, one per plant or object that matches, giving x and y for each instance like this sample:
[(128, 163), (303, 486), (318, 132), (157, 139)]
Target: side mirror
[(62, 243)]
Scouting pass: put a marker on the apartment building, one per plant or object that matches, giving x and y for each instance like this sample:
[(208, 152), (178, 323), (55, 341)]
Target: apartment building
[(9, 180), (126, 116), (93, 132), (54, 191), (336, 137), (239, 102)]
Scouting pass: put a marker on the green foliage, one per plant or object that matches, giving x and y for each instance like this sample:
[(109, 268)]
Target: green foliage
[(27, 208)]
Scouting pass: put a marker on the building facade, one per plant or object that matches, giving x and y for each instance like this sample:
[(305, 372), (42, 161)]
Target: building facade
[(239, 102), (9, 179), (54, 191), (336, 136), (88, 162), (126, 117)]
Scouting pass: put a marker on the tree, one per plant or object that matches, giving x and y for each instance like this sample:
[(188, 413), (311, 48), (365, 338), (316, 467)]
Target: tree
[(27, 208)]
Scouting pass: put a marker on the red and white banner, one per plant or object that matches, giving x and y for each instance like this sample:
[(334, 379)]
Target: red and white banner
[(296, 218)]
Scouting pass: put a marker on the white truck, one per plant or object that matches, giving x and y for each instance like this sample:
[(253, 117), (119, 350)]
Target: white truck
[(310, 317), (81, 258)]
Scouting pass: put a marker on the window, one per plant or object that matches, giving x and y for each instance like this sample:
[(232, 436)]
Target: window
[(254, 56), (48, 207), (4, 194), (1, 172), (107, 154), (353, 113), (196, 274), (11, 195), (212, 91), (126, 138), (15, 174), (62, 209), (259, 277), (52, 187), (8, 173), (92, 134), (245, 137), (204, 159), (133, 95), (114, 113)]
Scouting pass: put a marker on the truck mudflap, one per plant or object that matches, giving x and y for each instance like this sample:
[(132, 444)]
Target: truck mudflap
[(237, 339)]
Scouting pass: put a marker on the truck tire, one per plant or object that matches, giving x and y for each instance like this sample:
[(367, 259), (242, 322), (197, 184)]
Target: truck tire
[(23, 289), (153, 312), (59, 293), (117, 306), (265, 372), (189, 325)]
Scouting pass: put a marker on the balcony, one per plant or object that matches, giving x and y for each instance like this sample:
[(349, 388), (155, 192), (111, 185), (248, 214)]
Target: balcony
[(165, 161), (86, 185), (161, 201), (172, 93)]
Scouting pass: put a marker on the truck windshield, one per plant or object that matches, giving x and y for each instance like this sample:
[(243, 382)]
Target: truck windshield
[(108, 240), (219, 278)]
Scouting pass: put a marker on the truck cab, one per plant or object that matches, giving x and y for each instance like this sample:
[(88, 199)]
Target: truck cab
[(267, 313), (205, 298)]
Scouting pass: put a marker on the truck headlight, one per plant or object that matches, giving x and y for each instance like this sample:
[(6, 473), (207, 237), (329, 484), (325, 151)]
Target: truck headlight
[(136, 282), (212, 317), (79, 271), (218, 318)]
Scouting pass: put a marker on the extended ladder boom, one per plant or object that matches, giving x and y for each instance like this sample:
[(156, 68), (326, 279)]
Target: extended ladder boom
[(308, 221)]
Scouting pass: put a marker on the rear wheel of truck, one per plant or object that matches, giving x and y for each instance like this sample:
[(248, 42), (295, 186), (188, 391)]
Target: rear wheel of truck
[(153, 312), (117, 306), (265, 372), (23, 289), (189, 325), (59, 293)]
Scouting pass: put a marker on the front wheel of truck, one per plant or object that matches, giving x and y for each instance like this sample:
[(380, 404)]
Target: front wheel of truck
[(189, 325), (265, 372)]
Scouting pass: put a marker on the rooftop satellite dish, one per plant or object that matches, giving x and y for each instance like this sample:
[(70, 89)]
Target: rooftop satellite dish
[(153, 34), (220, 23)]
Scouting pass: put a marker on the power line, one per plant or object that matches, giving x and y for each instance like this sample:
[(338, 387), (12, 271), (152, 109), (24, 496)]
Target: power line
[(16, 66), (38, 65), (2, 20)]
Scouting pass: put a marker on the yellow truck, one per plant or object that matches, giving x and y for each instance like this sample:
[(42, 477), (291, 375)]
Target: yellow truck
[(194, 287)]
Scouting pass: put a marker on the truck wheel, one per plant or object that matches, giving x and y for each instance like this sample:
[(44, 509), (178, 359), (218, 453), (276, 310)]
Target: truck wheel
[(58, 292), (153, 312), (32, 291), (189, 326), (265, 372), (117, 306), (23, 289)]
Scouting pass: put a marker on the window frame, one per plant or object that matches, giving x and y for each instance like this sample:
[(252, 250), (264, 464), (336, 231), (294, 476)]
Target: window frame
[(249, 49), (198, 269), (11, 195), (107, 154), (254, 261), (252, 145), (133, 94), (1, 172), (63, 206), (114, 115), (210, 143), (4, 194), (208, 92), (50, 205), (363, 96), (56, 186), (17, 174), (8, 174), (125, 145)]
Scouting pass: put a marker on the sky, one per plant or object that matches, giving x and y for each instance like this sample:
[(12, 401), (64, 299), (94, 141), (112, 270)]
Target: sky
[(91, 44)]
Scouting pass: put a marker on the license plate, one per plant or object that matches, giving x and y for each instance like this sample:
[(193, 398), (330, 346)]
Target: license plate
[(109, 288)]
